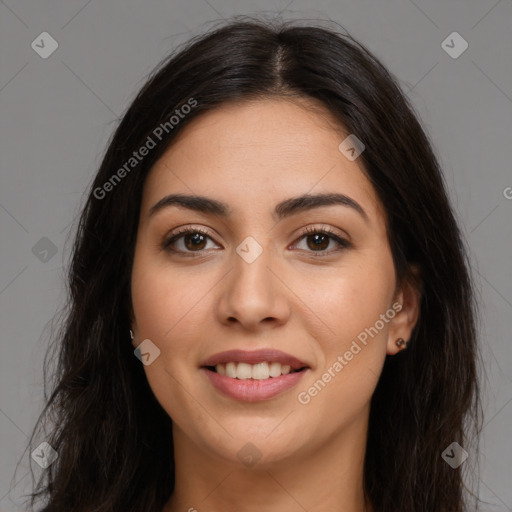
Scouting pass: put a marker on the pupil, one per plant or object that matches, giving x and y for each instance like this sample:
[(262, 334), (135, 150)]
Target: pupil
[(316, 244), (198, 239)]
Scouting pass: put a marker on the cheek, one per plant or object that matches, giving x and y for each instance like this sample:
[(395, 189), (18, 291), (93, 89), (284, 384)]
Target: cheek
[(351, 359), (353, 349), (350, 300), (357, 352), (165, 304), (165, 300)]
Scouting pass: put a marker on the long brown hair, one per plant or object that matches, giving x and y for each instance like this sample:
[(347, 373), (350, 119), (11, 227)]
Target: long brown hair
[(113, 438)]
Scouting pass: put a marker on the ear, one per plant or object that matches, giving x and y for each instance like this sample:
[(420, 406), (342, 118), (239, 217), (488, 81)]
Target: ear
[(408, 296)]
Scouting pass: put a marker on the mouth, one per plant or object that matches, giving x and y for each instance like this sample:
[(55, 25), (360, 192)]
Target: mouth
[(253, 376)]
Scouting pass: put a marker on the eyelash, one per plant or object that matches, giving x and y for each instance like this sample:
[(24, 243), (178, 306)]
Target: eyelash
[(166, 245)]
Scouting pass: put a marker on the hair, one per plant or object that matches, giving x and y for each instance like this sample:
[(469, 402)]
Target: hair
[(113, 438)]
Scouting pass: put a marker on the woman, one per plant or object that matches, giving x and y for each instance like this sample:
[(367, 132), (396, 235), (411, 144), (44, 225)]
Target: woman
[(270, 305)]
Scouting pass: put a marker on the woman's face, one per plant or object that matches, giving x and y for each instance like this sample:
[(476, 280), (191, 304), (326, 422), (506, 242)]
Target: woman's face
[(260, 290)]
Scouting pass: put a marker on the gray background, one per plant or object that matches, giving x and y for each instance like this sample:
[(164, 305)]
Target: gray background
[(57, 114)]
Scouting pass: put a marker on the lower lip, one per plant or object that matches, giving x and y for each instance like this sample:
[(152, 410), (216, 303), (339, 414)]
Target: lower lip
[(250, 390)]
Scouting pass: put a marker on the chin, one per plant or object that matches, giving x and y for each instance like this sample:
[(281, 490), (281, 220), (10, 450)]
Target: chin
[(258, 450)]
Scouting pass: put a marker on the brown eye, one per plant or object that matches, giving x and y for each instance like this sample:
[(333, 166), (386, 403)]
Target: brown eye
[(317, 240), (192, 240)]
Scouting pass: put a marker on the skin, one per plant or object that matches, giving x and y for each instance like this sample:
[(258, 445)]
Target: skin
[(252, 155)]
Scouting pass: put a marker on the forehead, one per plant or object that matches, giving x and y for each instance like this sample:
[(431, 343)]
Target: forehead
[(259, 153)]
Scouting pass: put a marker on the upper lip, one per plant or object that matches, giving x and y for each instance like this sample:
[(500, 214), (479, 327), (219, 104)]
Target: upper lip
[(253, 357)]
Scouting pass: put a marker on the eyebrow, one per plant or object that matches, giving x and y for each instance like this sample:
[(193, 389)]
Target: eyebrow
[(282, 210)]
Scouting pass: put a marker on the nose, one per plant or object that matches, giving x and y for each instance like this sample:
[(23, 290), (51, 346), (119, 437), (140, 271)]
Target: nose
[(252, 295)]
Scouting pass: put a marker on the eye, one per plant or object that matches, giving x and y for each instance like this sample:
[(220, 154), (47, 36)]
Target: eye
[(194, 240), (318, 239)]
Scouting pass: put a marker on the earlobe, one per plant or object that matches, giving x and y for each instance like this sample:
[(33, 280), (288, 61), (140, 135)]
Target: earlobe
[(409, 299), (132, 337)]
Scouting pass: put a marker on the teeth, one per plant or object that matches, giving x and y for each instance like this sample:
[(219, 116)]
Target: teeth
[(259, 371), (277, 369), (230, 370), (243, 371)]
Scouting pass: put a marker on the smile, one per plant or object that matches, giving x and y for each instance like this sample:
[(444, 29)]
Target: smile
[(253, 376)]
